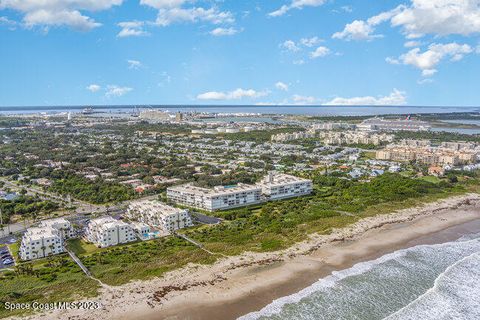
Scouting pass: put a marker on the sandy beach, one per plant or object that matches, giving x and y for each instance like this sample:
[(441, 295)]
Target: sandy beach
[(238, 285)]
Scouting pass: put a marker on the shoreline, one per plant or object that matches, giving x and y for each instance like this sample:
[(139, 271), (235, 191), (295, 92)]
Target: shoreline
[(238, 285)]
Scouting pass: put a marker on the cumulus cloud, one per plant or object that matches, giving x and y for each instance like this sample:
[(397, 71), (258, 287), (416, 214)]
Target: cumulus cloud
[(295, 4), (218, 32), (281, 86), (421, 17), (114, 91), (232, 95), (310, 42), (439, 17), (134, 64), (55, 13), (320, 52), (395, 98), (93, 87), (428, 60), (173, 11), (132, 29), (10, 24), (290, 45)]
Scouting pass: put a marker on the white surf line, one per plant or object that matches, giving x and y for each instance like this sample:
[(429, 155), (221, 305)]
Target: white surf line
[(435, 285)]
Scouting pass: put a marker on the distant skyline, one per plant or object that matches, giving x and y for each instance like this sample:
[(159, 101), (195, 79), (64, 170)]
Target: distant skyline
[(213, 52)]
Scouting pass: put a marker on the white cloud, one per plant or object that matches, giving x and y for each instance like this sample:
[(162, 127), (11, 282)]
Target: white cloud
[(357, 30), (166, 17), (310, 42), (428, 60), (134, 64), (298, 99), (320, 52), (132, 29), (223, 32), (10, 24), (421, 17), (439, 17), (396, 98), (93, 88), (48, 13), (290, 45), (281, 86), (296, 4), (116, 91), (232, 95), (410, 44)]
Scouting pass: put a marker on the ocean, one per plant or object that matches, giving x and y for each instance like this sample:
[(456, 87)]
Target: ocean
[(437, 282), (293, 110)]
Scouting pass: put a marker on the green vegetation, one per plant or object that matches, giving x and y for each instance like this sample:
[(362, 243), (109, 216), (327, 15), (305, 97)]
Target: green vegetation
[(27, 207), (47, 280), (142, 260), (336, 203), (96, 191)]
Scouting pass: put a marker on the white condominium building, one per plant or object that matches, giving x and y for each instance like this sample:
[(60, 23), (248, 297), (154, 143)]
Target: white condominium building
[(280, 186), (158, 214), (106, 232), (218, 198), (61, 224), (40, 242), (45, 240)]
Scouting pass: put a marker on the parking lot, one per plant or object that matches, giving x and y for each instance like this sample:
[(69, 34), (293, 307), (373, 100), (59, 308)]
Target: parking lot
[(204, 219), (5, 253)]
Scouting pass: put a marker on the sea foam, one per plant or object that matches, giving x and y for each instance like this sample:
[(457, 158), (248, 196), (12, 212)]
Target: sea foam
[(395, 285)]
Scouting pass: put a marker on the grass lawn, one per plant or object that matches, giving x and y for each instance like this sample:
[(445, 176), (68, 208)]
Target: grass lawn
[(79, 246)]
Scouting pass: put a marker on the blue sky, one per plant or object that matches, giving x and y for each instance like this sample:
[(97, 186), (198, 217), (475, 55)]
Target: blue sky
[(341, 52)]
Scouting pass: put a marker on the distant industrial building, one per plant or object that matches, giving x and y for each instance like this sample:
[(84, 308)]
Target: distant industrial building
[(155, 115), (333, 126), (106, 231), (157, 214), (381, 124)]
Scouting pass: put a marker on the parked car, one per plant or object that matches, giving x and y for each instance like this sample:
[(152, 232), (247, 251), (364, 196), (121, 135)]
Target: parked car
[(7, 262), (7, 255)]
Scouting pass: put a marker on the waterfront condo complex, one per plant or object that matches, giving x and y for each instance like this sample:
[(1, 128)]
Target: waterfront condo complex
[(274, 186), (217, 198), (107, 232), (45, 240), (156, 214)]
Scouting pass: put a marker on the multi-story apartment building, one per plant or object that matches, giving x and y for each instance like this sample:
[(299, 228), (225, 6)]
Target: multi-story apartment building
[(106, 232), (61, 224), (280, 186), (218, 198), (157, 214), (284, 137), (427, 155), (354, 137), (45, 240), (40, 243), (272, 187)]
